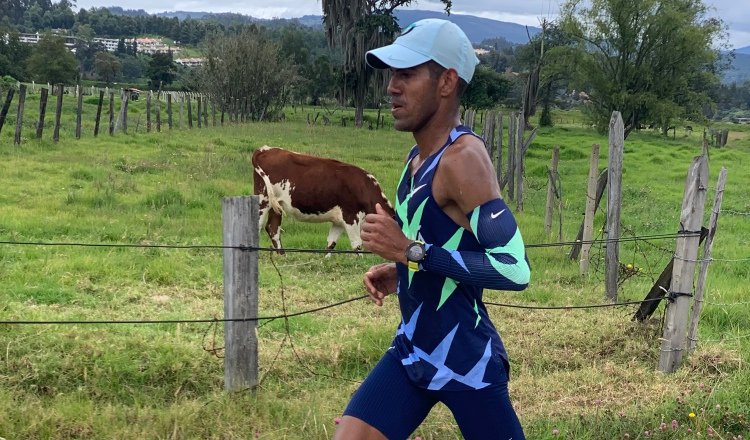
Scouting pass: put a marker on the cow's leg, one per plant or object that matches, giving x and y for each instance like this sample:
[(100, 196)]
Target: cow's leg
[(353, 231), (259, 189), (263, 208), (273, 228), (333, 235)]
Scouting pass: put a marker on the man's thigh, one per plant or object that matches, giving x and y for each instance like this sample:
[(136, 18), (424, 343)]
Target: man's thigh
[(388, 401)]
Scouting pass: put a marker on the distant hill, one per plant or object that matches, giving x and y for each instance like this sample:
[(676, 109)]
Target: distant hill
[(181, 15), (477, 29), (740, 71), (743, 50)]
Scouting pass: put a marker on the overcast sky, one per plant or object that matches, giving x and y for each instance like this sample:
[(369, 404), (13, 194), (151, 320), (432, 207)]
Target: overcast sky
[(735, 13)]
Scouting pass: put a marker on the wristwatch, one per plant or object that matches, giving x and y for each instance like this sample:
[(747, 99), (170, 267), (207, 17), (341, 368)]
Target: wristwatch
[(415, 254)]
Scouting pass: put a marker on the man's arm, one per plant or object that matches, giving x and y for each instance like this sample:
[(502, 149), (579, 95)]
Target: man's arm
[(466, 188), (464, 183)]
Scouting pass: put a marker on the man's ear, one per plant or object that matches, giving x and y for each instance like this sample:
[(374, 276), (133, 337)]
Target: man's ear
[(449, 82)]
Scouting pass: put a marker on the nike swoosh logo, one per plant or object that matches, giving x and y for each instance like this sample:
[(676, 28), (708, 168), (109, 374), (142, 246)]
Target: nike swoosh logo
[(417, 189), (495, 215)]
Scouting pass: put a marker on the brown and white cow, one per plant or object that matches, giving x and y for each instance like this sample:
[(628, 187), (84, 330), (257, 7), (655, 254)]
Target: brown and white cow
[(313, 189)]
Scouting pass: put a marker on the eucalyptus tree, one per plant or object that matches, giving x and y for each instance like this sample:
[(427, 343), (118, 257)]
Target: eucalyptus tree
[(651, 60), (356, 26)]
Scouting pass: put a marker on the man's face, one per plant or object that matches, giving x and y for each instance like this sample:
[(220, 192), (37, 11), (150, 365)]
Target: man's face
[(414, 97)]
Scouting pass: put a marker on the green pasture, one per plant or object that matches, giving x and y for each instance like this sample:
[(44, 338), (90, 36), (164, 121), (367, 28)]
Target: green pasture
[(575, 374)]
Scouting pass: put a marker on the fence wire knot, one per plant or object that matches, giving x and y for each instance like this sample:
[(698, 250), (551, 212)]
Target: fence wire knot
[(674, 295)]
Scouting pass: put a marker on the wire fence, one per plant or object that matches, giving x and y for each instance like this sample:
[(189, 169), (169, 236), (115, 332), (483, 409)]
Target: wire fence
[(285, 315)]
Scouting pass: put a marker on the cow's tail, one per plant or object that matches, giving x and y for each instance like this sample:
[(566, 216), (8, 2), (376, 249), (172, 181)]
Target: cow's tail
[(273, 201)]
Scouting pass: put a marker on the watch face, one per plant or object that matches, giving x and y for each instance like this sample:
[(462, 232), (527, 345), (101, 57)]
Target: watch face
[(415, 252)]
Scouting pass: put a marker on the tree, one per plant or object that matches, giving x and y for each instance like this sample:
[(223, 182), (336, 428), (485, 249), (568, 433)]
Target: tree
[(52, 62), (247, 68), (548, 60), (486, 89), (647, 59), (107, 66), (357, 26), (13, 55), (161, 69)]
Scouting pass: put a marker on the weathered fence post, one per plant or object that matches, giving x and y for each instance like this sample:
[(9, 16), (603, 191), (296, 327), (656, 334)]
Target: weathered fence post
[(705, 261), (79, 111), (509, 175), (123, 120), (98, 112), (499, 150), (240, 229), (551, 190), (58, 112), (205, 111), (111, 113), (588, 216), (676, 315), (42, 112), (213, 112), (158, 113), (148, 111), (519, 161), (199, 105), (6, 107), (169, 110), (19, 117), (189, 112), (614, 204)]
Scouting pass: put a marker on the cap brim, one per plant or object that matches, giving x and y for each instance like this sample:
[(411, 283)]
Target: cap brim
[(396, 56)]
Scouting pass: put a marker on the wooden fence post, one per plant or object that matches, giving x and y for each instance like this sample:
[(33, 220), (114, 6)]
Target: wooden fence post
[(588, 216), (240, 228), (510, 174), (519, 161), (169, 110), (199, 105), (705, 261), (551, 190), (111, 113), (42, 112), (614, 204), (205, 111), (123, 119), (148, 111), (213, 112), (488, 132), (6, 107), (601, 183), (499, 150), (98, 113), (19, 116), (158, 113), (58, 112), (676, 315), (189, 112), (79, 111)]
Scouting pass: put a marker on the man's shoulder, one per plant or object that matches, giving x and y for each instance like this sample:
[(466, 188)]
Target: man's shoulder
[(467, 147)]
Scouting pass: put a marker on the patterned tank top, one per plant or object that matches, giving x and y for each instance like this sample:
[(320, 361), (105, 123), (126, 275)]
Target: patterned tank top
[(446, 340)]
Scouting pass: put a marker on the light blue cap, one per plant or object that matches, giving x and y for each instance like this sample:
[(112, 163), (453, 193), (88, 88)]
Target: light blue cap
[(424, 40)]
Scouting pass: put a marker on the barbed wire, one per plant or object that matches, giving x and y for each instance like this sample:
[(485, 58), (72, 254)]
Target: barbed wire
[(181, 321), (729, 211), (322, 251)]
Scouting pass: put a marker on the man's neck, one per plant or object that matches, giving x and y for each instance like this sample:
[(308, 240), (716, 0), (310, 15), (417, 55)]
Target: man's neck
[(433, 135)]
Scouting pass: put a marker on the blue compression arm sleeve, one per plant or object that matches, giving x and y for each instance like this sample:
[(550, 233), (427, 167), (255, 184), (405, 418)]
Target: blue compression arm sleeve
[(502, 266)]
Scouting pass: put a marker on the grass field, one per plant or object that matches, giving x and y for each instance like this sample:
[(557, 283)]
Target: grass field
[(575, 374)]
